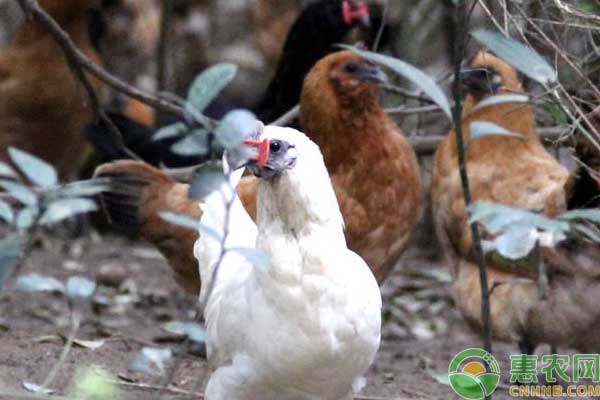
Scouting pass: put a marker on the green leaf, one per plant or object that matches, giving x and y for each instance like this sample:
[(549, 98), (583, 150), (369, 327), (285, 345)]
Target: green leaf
[(518, 55), (235, 127), (152, 360), (592, 215), (65, 208), (180, 220), (6, 212), (413, 74), (36, 170), (80, 288), (207, 178), (90, 187), (19, 191), (26, 217), (209, 84), (7, 171), (516, 243), (439, 377), (89, 344), (11, 247), (501, 99), (194, 144), (192, 330), (32, 387), (37, 283), (93, 383), (169, 131), (254, 256), (481, 129)]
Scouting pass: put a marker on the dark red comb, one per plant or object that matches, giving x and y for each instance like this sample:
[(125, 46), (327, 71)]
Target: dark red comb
[(263, 150), (350, 13)]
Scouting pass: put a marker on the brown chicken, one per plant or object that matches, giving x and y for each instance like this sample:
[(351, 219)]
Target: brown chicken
[(518, 172), (372, 166), (42, 105)]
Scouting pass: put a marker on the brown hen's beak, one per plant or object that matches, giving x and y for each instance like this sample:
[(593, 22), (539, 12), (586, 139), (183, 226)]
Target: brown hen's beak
[(371, 73), (352, 12), (263, 151)]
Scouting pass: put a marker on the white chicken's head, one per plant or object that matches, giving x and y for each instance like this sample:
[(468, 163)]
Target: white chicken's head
[(278, 151)]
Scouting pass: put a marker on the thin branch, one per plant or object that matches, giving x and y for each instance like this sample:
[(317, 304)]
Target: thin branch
[(66, 349), (409, 94), (460, 26), (404, 110), (386, 8)]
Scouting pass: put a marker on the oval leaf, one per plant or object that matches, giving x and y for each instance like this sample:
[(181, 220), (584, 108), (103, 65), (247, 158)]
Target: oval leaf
[(39, 172), (90, 187), (26, 217), (180, 220), (32, 387), (193, 331), (481, 129), (19, 191), (194, 144), (170, 131), (583, 214), (10, 251), (207, 178), (38, 283), (501, 99), (413, 74), (209, 84), (6, 212), (80, 288), (7, 171), (152, 360), (66, 208), (235, 127), (516, 243), (518, 55)]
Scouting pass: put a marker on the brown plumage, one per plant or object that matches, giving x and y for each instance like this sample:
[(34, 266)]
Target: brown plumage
[(372, 166), (519, 173), (42, 105)]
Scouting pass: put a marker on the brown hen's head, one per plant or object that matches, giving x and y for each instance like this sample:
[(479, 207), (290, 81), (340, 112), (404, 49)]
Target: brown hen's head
[(488, 75), (351, 80)]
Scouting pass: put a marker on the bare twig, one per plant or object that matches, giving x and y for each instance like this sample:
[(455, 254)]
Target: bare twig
[(460, 26), (386, 8), (160, 388)]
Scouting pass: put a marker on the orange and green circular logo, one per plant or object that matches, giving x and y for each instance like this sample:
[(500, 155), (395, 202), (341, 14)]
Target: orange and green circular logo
[(474, 374)]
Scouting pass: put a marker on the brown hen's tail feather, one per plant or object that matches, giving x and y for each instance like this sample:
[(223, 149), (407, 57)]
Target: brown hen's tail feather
[(138, 194)]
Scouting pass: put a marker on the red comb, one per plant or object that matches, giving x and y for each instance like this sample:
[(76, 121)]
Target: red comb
[(263, 150), (350, 15)]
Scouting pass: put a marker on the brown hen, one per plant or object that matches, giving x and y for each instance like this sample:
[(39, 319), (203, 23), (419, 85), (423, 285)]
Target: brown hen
[(42, 105), (518, 172), (373, 169)]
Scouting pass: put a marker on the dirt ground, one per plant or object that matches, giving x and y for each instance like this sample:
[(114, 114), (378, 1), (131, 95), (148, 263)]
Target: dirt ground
[(135, 280)]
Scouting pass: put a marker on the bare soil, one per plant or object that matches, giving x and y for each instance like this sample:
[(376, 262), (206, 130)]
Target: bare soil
[(136, 281)]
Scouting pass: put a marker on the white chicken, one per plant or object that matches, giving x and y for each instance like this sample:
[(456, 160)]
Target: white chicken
[(305, 322)]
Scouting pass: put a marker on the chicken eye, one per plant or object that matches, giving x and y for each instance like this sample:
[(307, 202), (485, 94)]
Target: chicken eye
[(275, 146), (351, 68)]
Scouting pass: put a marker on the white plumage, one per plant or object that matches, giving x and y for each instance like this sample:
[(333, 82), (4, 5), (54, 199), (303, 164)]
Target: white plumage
[(305, 324)]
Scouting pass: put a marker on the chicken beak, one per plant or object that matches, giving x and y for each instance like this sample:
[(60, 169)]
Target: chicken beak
[(356, 12), (262, 154), (475, 81)]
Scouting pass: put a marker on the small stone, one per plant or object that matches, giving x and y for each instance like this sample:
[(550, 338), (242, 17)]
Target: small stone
[(111, 275)]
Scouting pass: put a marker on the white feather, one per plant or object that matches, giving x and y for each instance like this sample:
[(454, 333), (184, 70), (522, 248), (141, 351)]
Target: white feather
[(306, 326)]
